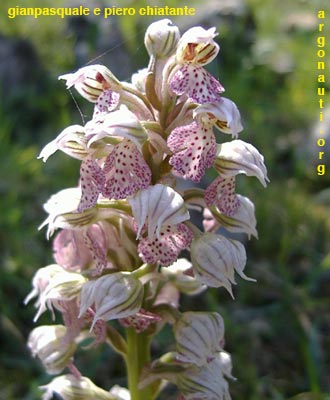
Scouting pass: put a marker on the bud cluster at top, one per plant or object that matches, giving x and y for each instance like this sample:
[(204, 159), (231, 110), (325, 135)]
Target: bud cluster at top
[(120, 232)]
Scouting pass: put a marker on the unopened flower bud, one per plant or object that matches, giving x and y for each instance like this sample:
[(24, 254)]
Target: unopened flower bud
[(114, 296), (49, 345), (91, 81), (199, 337), (197, 46), (161, 38), (215, 260), (206, 382), (69, 387)]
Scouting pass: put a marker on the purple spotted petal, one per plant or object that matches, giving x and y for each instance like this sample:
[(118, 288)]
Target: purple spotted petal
[(126, 171), (221, 193), (106, 102), (194, 149), (172, 240), (91, 181), (197, 83), (96, 243)]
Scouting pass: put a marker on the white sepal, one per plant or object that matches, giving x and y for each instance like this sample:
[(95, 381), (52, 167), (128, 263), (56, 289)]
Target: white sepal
[(70, 387), (224, 114), (215, 260), (71, 140), (62, 207), (47, 343), (242, 221), (239, 157), (114, 296), (115, 125), (156, 206), (91, 81), (197, 46), (199, 336), (205, 383)]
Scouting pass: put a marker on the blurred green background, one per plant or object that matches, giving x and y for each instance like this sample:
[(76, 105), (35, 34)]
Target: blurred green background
[(277, 330)]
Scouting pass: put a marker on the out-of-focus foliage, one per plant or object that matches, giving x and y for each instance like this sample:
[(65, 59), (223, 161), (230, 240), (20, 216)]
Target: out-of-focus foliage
[(278, 329)]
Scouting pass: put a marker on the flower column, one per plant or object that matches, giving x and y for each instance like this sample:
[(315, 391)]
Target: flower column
[(117, 254)]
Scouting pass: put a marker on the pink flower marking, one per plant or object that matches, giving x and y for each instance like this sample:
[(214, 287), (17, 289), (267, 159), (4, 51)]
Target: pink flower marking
[(173, 239), (99, 327), (197, 83), (97, 247), (221, 193), (125, 171), (106, 102), (140, 321), (194, 149), (70, 312), (92, 182)]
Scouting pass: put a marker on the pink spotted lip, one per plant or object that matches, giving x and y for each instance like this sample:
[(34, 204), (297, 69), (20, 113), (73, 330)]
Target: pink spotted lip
[(166, 249), (221, 193), (124, 172), (194, 149), (197, 83), (106, 102)]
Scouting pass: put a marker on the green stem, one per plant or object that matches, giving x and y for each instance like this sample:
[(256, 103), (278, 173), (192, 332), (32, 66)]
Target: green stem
[(138, 355), (144, 270)]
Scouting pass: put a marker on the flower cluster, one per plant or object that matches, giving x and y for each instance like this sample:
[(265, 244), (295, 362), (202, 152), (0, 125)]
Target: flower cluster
[(121, 231)]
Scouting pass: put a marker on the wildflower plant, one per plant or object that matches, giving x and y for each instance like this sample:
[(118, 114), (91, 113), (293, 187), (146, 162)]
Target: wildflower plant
[(118, 271)]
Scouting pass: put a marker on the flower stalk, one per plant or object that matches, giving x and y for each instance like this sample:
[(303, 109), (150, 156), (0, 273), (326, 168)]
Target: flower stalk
[(138, 356)]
